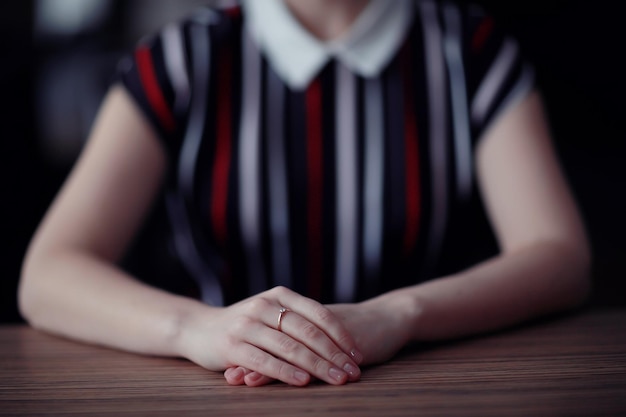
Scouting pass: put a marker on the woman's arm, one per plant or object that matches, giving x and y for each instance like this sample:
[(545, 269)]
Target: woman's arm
[(544, 264), (69, 283), (71, 286)]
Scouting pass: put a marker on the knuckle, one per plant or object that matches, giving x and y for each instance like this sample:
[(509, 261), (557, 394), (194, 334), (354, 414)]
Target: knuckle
[(242, 324), (257, 305), (310, 331), (283, 371), (230, 342), (344, 339), (320, 365), (258, 360), (280, 291), (338, 357), (288, 346), (324, 314)]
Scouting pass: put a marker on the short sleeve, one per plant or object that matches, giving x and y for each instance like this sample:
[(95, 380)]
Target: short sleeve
[(498, 75), (155, 75)]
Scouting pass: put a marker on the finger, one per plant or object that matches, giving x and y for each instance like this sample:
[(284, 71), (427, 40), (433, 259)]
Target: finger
[(320, 316), (316, 340), (255, 359), (255, 379), (239, 376), (235, 375), (283, 346)]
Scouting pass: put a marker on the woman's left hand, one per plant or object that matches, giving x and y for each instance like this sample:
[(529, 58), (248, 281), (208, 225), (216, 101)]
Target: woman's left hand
[(380, 326)]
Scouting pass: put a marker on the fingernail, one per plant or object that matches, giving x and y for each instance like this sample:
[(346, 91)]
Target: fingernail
[(352, 370), (337, 374), (356, 355), (301, 376), (254, 376), (235, 373)]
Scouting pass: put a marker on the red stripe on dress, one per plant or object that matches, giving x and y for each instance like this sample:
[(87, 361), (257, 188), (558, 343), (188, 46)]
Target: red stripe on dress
[(223, 147), (154, 94), (315, 180), (234, 12), (412, 165), (482, 34)]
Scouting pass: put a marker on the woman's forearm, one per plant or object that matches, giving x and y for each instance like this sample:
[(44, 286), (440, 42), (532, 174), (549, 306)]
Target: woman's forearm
[(76, 295), (540, 279)]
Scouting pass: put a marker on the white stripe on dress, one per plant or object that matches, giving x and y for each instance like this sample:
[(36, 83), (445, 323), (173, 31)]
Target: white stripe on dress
[(522, 87), (201, 56), (249, 163), (175, 65), (435, 73), (374, 174), (494, 80), (346, 191), (460, 111), (188, 252), (277, 168)]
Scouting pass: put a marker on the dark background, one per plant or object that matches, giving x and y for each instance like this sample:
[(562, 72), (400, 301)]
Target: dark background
[(577, 47)]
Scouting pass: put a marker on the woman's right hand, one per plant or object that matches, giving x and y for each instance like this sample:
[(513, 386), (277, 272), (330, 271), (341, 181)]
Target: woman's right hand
[(312, 342)]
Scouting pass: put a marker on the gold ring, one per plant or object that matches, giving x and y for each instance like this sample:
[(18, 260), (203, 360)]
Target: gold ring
[(281, 313)]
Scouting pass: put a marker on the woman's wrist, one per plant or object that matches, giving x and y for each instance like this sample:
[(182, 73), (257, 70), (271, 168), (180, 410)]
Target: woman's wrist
[(404, 308), (186, 326)]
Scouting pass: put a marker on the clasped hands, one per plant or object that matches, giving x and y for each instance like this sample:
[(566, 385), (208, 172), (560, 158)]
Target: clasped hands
[(328, 343)]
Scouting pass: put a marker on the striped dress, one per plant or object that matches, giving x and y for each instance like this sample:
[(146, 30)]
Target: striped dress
[(340, 190)]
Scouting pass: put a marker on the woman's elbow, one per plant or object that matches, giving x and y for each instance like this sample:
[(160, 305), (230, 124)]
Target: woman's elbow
[(578, 260), (31, 294), (27, 288)]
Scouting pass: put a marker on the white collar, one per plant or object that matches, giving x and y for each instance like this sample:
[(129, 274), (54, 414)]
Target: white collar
[(297, 56)]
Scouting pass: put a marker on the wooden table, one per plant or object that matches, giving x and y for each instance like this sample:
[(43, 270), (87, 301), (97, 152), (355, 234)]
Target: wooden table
[(574, 365)]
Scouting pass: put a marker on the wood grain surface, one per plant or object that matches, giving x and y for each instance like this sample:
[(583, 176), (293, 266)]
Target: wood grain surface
[(573, 365)]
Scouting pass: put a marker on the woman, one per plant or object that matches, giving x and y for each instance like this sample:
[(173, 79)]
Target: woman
[(324, 147)]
